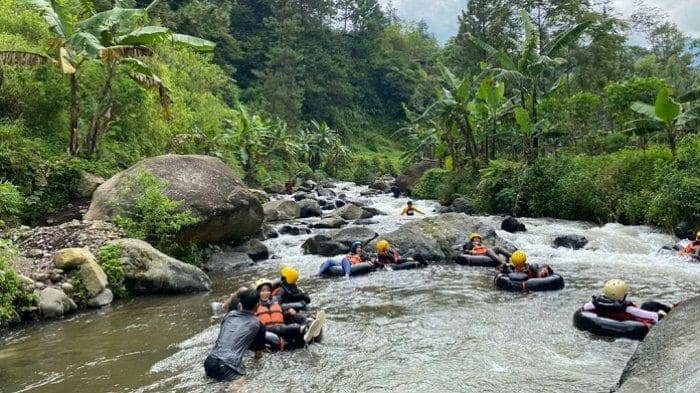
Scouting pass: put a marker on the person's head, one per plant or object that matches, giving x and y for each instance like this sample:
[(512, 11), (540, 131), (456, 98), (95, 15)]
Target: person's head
[(264, 288), (409, 203), (518, 259), (356, 248), (475, 238), (289, 275), (248, 300), (616, 289), (382, 246)]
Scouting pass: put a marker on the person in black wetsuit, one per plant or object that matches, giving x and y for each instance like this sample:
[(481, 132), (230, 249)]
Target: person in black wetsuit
[(391, 260), (240, 330), (288, 291)]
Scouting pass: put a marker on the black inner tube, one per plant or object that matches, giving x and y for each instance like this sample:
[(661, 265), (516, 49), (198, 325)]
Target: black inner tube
[(476, 260), (591, 322), (551, 283), (355, 270)]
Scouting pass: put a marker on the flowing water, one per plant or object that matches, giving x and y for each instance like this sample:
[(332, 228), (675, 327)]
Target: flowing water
[(441, 329)]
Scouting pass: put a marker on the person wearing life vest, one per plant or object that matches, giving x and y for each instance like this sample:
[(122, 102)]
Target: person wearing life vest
[(288, 292), (355, 256), (391, 260), (475, 246), (693, 248), (281, 322), (613, 304), (519, 269), (410, 210)]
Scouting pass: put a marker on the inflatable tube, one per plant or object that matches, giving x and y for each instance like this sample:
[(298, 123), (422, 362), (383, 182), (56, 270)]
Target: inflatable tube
[(295, 305), (476, 260), (507, 283), (590, 322), (355, 270), (406, 265), (274, 343)]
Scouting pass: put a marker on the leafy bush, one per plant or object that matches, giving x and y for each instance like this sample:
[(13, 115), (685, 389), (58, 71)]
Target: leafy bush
[(154, 216), (14, 300), (108, 257), (11, 202), (80, 293)]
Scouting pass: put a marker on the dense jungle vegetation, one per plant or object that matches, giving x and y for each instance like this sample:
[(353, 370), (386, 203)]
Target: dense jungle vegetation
[(540, 108)]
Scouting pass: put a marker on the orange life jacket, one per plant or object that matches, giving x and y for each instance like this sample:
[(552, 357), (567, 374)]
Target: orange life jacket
[(354, 259), (479, 250), (691, 247), (270, 315)]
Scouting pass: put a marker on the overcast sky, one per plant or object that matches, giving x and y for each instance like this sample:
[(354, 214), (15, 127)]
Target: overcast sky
[(441, 15)]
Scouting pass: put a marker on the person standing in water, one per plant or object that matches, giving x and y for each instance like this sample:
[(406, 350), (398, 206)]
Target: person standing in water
[(410, 210), (240, 330)]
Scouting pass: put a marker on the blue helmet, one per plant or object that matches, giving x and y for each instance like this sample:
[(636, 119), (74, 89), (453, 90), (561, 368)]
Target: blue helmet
[(354, 245)]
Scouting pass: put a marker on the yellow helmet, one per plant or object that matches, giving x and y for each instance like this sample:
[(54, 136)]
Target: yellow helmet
[(290, 274), (382, 245), (697, 234), (473, 235), (260, 282), (518, 258), (616, 289)]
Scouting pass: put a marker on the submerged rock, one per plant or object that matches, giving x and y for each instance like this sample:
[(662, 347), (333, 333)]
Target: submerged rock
[(149, 271), (571, 241), (255, 249), (337, 242), (227, 262), (329, 222), (223, 205), (667, 359), (54, 303), (512, 225)]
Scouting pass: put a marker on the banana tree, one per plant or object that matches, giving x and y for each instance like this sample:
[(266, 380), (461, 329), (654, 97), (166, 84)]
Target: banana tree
[(533, 67), (666, 114), (68, 42), (491, 106), (322, 144)]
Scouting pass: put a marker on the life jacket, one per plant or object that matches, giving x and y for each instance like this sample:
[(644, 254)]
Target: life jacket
[(614, 309), (354, 258), (270, 315), (691, 247), (479, 250)]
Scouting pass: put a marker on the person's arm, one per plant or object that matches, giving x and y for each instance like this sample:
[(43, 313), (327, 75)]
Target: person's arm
[(643, 315), (404, 211), (418, 211), (258, 343)]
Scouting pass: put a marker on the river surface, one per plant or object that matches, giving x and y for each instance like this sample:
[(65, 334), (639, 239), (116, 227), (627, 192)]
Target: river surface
[(441, 329)]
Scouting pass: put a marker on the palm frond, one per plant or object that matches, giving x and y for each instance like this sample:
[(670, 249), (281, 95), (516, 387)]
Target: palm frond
[(118, 51), (24, 58), (152, 82), (564, 39), (502, 57), (532, 39)]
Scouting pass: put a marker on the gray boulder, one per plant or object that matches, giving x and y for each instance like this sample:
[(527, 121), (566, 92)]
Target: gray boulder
[(329, 222), (293, 230), (349, 235), (410, 177), (274, 188), (261, 195), (88, 183), (224, 207), (300, 196), (255, 249), (227, 262), (352, 211), (667, 359), (337, 242), (570, 241), (512, 225), (325, 192), (54, 303), (380, 185), (104, 298), (435, 238), (283, 209), (149, 271), (266, 232), (309, 208), (463, 205)]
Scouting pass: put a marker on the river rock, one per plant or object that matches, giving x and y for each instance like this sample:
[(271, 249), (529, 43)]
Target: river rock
[(410, 177), (309, 208), (283, 209), (104, 298), (364, 221), (274, 188), (93, 277), (380, 185), (683, 230), (340, 203), (149, 271), (512, 225), (53, 303), (260, 195), (463, 205), (352, 234), (667, 359), (310, 184), (67, 287), (444, 209), (435, 238), (224, 207), (300, 196), (227, 262), (294, 230), (350, 212), (325, 193), (370, 192), (332, 221), (87, 184), (72, 258), (323, 245), (255, 249), (266, 232), (571, 241)]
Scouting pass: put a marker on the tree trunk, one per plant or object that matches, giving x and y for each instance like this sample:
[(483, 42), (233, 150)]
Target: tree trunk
[(74, 116), (535, 139), (100, 111), (470, 143), (670, 130)]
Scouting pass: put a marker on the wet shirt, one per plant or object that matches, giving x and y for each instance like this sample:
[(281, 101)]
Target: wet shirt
[(388, 257), (240, 331), (290, 293)]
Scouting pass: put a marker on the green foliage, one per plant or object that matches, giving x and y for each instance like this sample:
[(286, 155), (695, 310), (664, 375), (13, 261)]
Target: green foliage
[(108, 256), (14, 300), (11, 202), (154, 216), (445, 185), (80, 293)]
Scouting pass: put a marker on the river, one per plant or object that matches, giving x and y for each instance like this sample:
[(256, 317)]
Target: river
[(441, 329)]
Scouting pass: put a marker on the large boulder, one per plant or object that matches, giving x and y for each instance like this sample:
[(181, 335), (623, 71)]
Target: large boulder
[(54, 303), (667, 359), (352, 211), (570, 241), (255, 249), (463, 205), (261, 195), (104, 298), (227, 262), (93, 277), (309, 208), (331, 221), (72, 258), (283, 209), (149, 271), (224, 207), (437, 237), (337, 242), (683, 230), (352, 234), (410, 177), (512, 225), (87, 184)]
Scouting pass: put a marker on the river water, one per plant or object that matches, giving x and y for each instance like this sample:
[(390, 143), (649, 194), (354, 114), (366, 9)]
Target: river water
[(441, 329)]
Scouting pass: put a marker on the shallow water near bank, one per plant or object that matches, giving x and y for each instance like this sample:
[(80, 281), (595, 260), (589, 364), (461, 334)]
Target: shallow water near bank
[(441, 329)]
